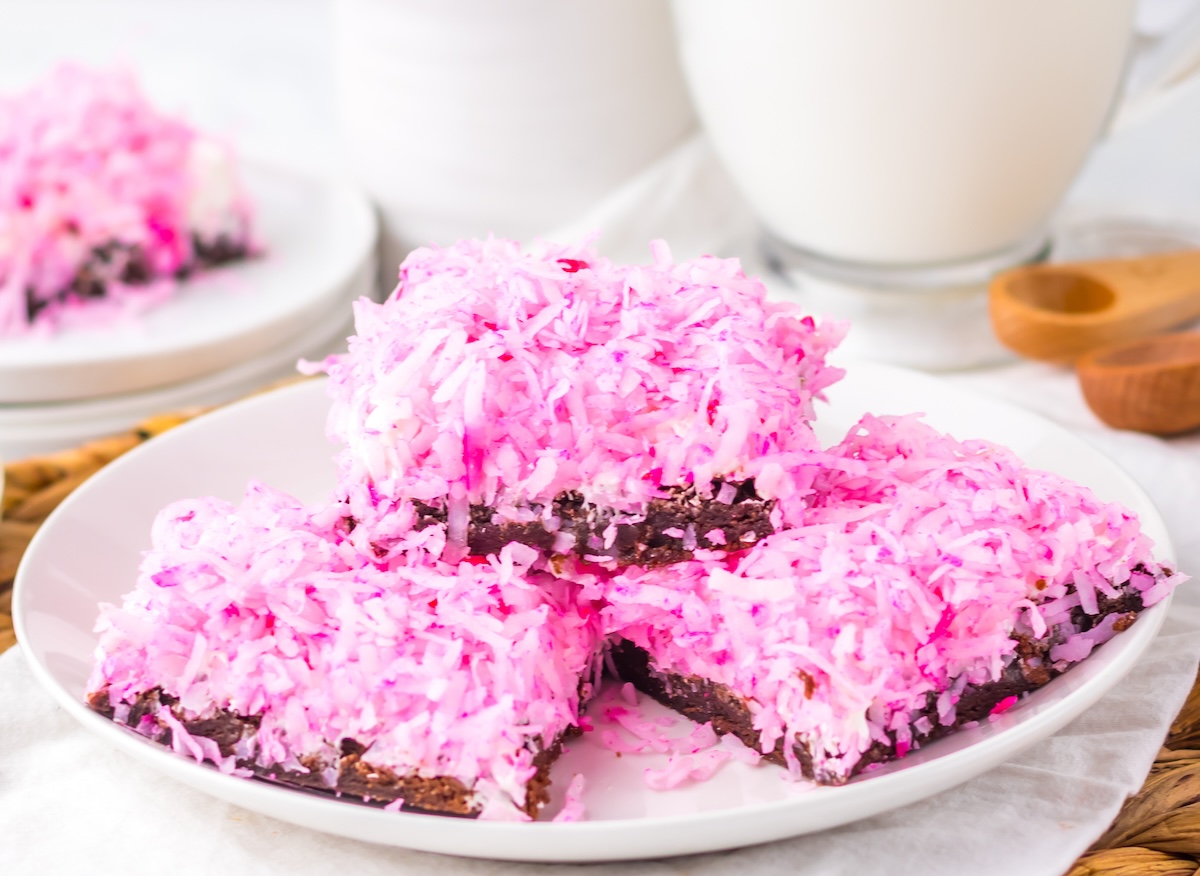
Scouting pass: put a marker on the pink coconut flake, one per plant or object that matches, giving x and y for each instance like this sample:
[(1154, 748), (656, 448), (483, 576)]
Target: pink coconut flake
[(695, 757), (1004, 705), (702, 737), (629, 694), (684, 768), (504, 377), (103, 201), (618, 744), (648, 735), (738, 751), (573, 808)]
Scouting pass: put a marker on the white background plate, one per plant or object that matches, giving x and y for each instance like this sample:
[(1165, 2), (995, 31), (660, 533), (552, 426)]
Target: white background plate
[(88, 552), (34, 429), (317, 234)]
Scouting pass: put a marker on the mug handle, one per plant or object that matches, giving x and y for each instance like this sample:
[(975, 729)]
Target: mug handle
[(1160, 72)]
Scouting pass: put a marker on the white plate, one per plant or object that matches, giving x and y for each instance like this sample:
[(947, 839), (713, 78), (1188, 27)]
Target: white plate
[(88, 552), (43, 427), (317, 234)]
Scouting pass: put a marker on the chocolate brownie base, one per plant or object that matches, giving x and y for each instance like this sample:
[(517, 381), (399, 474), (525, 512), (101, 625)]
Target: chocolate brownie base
[(120, 263), (703, 700), (742, 521), (355, 776)]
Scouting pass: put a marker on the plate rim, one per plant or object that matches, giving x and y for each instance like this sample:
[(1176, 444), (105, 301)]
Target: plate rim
[(642, 837)]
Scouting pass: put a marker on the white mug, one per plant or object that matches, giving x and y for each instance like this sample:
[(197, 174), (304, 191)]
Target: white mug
[(916, 133), (513, 117)]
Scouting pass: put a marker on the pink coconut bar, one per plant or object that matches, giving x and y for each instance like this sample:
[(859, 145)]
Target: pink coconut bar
[(501, 377), (257, 640), (104, 201), (931, 583)]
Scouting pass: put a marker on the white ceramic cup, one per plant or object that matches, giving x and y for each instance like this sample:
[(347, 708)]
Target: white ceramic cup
[(876, 133), (513, 117)]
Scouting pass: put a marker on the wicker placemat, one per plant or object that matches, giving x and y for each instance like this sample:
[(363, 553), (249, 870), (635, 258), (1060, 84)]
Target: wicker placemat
[(34, 487), (1157, 833)]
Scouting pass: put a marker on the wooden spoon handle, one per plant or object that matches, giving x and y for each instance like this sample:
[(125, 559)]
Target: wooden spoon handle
[(1058, 312)]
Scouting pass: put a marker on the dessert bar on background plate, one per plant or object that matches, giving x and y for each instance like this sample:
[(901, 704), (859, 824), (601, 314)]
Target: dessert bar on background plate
[(316, 234), (87, 553), (106, 202)]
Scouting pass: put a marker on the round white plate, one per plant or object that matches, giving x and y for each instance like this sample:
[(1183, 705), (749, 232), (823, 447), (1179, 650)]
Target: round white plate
[(88, 551), (43, 427), (317, 235)]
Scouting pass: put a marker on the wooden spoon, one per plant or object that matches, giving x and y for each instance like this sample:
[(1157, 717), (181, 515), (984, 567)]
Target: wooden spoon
[(1148, 385), (1058, 312)]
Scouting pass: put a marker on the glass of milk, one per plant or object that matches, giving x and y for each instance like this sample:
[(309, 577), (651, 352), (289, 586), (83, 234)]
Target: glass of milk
[(917, 146)]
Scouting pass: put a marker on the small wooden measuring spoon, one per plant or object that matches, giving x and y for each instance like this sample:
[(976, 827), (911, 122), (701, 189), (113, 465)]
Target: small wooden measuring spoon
[(1058, 312), (1149, 385)]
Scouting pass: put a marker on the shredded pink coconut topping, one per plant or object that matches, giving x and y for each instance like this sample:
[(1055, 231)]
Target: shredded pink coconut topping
[(505, 377), (920, 558), (86, 164), (442, 670)]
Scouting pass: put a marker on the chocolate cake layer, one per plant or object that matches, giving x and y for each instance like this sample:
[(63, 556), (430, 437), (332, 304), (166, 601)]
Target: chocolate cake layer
[(356, 776), (120, 263), (689, 517), (703, 700)]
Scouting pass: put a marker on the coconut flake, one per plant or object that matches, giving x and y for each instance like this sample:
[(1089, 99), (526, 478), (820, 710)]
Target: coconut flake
[(573, 808)]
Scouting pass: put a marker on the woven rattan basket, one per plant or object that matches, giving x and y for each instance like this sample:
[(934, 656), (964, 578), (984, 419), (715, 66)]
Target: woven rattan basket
[(1157, 833)]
